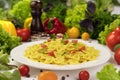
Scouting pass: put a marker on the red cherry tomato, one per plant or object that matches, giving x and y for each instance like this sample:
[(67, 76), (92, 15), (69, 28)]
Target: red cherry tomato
[(43, 46), (51, 53), (24, 70), (84, 75), (74, 41), (48, 40), (82, 48), (66, 41), (23, 33), (117, 56)]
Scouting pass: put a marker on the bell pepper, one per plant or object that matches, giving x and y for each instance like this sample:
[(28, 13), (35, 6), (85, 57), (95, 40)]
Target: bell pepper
[(113, 39), (9, 27), (54, 26)]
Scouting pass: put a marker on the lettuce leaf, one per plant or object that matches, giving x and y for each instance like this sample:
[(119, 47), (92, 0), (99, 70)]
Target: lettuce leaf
[(109, 72), (8, 42)]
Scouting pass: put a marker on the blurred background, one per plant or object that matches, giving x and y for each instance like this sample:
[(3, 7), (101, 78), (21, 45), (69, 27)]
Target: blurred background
[(70, 12)]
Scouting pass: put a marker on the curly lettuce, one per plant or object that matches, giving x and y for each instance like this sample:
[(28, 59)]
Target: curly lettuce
[(7, 42), (75, 15), (107, 29), (20, 11), (109, 72)]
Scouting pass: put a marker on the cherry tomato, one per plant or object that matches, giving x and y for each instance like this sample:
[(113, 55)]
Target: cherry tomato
[(73, 51), (24, 70), (117, 56), (66, 41), (84, 75), (43, 46), (74, 41), (82, 48), (48, 40), (51, 53), (24, 33)]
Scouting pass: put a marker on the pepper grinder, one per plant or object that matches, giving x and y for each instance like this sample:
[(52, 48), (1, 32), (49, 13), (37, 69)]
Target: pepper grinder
[(36, 11)]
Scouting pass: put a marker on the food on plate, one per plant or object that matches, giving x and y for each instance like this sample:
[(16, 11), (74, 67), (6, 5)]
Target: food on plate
[(73, 32), (85, 36), (60, 52), (108, 72), (24, 70), (84, 75), (54, 26), (24, 34), (113, 39), (117, 56), (47, 75)]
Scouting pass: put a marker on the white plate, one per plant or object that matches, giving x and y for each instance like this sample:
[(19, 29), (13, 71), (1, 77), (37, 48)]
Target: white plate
[(17, 55)]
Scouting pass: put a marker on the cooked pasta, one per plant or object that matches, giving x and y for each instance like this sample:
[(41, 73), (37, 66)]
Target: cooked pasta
[(61, 52)]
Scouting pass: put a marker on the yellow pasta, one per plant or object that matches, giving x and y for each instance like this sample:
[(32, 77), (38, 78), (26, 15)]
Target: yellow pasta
[(61, 52)]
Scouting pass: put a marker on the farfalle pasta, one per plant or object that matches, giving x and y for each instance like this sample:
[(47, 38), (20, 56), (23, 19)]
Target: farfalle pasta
[(61, 52)]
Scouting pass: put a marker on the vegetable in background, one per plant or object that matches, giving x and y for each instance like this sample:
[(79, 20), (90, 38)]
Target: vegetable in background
[(108, 72), (73, 3), (73, 32), (20, 11), (53, 10), (9, 27), (98, 15), (7, 42), (113, 39), (75, 15), (104, 5), (4, 60), (4, 13), (15, 75), (27, 22), (11, 3), (24, 34), (107, 29), (54, 26), (7, 4), (117, 56), (85, 36), (2, 4)]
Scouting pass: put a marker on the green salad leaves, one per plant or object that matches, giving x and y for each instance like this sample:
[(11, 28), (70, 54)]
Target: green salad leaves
[(15, 75), (4, 60), (75, 15), (4, 65), (7, 42), (107, 29), (109, 72)]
